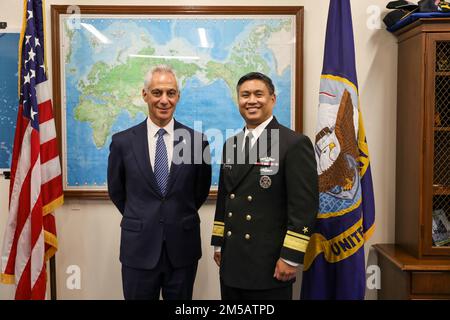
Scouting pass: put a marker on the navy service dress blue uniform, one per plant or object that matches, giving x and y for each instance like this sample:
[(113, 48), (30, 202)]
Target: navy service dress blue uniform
[(265, 210)]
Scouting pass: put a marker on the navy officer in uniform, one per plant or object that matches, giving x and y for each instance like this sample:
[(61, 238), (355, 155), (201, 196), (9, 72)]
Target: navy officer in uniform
[(267, 200)]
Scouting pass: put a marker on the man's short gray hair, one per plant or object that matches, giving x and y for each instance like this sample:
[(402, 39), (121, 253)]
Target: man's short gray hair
[(163, 68)]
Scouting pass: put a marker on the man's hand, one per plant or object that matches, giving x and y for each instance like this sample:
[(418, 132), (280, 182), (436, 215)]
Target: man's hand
[(217, 256), (284, 271)]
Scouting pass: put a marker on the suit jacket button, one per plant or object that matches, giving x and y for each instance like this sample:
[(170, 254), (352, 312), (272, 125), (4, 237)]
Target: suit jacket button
[(248, 217), (232, 196), (229, 233), (249, 198), (247, 236), (230, 214)]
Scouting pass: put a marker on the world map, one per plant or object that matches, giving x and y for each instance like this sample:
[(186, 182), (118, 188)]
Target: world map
[(8, 95), (105, 60)]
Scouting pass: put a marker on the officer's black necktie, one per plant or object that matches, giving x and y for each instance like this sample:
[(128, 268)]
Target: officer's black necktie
[(247, 146)]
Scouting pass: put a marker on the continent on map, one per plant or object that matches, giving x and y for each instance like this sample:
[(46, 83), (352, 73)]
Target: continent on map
[(246, 56), (108, 91)]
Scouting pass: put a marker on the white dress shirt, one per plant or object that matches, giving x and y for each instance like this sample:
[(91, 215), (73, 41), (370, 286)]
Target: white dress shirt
[(152, 134), (256, 132)]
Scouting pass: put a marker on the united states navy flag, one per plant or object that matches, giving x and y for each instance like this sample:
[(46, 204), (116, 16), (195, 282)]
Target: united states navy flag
[(334, 265)]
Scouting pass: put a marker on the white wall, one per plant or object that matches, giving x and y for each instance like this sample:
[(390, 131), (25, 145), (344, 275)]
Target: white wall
[(88, 231)]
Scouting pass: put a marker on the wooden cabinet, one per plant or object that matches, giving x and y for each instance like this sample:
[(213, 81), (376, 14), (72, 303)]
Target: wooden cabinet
[(406, 277), (417, 266), (423, 138)]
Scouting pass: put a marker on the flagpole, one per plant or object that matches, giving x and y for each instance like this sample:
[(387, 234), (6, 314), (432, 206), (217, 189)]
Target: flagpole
[(53, 278)]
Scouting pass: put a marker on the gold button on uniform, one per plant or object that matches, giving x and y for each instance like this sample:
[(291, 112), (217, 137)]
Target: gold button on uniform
[(249, 198), (232, 196), (247, 236), (230, 214), (229, 233), (248, 217)]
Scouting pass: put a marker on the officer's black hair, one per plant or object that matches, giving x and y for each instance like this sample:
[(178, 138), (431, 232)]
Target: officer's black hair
[(256, 76)]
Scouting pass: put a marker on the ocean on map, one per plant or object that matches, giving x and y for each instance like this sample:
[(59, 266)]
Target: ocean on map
[(9, 100)]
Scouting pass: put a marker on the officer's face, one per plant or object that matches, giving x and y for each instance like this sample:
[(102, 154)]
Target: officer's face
[(255, 102), (161, 96)]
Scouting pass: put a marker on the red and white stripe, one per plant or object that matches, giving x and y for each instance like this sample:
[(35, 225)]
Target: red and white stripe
[(35, 183)]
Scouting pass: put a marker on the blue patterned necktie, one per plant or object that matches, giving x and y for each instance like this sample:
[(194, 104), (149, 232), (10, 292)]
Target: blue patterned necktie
[(161, 163)]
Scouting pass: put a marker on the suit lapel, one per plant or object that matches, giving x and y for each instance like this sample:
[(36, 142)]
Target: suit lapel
[(141, 153), (266, 149), (175, 168), (240, 170), (228, 162)]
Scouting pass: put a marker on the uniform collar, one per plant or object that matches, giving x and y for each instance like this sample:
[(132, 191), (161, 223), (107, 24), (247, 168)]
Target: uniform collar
[(258, 130)]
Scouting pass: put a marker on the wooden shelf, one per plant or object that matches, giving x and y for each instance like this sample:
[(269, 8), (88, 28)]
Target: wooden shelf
[(407, 262), (441, 190), (443, 73), (442, 129)]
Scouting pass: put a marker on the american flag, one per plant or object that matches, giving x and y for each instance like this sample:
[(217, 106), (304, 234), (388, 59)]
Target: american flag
[(36, 182)]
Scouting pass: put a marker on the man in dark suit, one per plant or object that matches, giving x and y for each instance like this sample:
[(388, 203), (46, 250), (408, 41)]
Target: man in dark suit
[(159, 174), (267, 200)]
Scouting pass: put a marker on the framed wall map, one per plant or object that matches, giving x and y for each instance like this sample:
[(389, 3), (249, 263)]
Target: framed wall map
[(9, 100), (102, 53)]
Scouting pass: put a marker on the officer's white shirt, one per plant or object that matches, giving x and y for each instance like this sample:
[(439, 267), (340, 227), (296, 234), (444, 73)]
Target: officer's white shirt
[(152, 137), (256, 132)]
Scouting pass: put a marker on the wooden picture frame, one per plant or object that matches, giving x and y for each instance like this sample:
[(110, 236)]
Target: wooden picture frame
[(216, 14)]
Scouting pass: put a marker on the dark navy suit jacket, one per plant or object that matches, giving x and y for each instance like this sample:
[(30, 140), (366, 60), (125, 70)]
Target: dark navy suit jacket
[(149, 218)]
